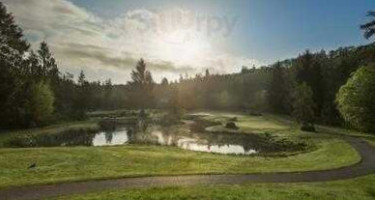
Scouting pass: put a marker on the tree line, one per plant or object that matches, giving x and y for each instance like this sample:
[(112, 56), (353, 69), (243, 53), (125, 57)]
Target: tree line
[(33, 92), (312, 87)]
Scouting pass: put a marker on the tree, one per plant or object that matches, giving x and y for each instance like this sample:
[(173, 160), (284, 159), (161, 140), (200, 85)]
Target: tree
[(48, 63), (356, 99), (303, 107), (81, 79), (277, 94), (40, 103), (369, 27), (108, 90), (12, 49), (164, 82), (82, 99), (308, 69), (207, 73), (142, 85), (140, 76), (12, 42)]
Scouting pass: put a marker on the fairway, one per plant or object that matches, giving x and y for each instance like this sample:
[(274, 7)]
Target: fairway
[(359, 189), (187, 100), (62, 164)]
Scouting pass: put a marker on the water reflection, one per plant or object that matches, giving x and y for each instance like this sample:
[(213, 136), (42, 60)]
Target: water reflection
[(189, 137), (117, 137), (154, 134), (223, 149)]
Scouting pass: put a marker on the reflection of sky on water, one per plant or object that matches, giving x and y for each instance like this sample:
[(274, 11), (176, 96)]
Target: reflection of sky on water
[(194, 145), (158, 136), (117, 137)]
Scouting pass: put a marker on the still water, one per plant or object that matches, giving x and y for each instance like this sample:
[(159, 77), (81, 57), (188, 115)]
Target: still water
[(205, 142), (190, 136)]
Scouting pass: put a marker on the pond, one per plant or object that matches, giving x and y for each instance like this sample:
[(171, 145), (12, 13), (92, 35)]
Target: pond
[(158, 135), (186, 136)]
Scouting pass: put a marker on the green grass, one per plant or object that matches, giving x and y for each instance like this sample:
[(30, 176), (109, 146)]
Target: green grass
[(342, 131), (323, 128), (246, 123), (371, 141), (83, 163), (358, 189), (62, 164), (53, 129)]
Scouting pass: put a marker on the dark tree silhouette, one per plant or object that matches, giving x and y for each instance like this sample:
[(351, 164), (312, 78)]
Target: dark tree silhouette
[(141, 85), (369, 27), (164, 82), (48, 63), (277, 95), (303, 107)]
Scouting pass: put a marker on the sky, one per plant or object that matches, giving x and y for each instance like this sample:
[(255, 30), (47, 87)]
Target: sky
[(105, 39)]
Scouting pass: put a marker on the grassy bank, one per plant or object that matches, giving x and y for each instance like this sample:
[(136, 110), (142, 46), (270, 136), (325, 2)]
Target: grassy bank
[(359, 189), (53, 129), (83, 163)]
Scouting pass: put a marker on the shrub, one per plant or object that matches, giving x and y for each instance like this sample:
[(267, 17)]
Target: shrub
[(41, 103), (303, 107), (231, 125), (356, 99)]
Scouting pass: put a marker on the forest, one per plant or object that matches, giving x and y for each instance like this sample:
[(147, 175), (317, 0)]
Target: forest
[(296, 128), (35, 93)]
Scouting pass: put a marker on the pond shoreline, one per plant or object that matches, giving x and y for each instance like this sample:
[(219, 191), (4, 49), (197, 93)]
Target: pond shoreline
[(366, 166)]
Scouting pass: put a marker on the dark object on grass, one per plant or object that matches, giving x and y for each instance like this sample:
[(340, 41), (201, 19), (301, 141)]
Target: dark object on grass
[(142, 114), (254, 113), (308, 128), (32, 166), (267, 135), (233, 119), (231, 125)]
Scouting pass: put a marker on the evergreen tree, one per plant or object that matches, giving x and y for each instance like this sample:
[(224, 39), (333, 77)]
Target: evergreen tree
[(82, 99), (12, 43), (308, 69), (207, 73), (164, 82), (278, 90), (303, 107), (142, 85), (81, 79), (108, 90), (48, 63), (12, 49), (369, 27)]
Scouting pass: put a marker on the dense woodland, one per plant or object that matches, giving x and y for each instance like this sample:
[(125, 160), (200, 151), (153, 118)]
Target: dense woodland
[(35, 93)]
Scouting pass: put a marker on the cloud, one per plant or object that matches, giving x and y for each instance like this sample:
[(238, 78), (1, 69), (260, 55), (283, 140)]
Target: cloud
[(107, 48)]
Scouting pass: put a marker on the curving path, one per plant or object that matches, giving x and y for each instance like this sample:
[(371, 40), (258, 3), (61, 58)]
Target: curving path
[(366, 166)]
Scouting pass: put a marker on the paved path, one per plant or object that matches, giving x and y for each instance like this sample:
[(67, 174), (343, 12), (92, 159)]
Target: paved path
[(366, 166)]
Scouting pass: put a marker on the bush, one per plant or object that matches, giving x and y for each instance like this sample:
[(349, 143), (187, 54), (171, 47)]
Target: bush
[(41, 103), (303, 107), (356, 99), (233, 119), (308, 128), (231, 125)]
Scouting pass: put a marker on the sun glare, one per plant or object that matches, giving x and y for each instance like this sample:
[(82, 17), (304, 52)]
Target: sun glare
[(183, 46)]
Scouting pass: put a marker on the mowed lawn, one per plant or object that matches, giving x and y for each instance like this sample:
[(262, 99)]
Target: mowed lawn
[(355, 189), (61, 164), (82, 163), (361, 188)]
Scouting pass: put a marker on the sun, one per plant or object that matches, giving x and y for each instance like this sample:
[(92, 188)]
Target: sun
[(183, 46)]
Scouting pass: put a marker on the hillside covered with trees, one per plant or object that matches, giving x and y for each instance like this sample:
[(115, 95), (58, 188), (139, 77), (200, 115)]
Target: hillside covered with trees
[(34, 92)]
